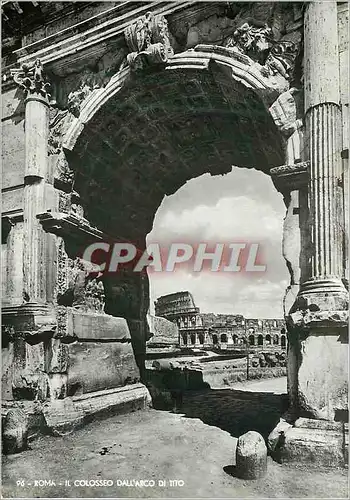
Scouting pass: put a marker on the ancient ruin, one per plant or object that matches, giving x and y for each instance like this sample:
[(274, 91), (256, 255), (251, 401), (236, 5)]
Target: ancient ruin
[(222, 330), (109, 106)]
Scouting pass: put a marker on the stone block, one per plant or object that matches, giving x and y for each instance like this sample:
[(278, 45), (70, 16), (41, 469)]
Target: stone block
[(29, 380), (322, 448), (15, 433), (323, 425), (96, 326), (323, 375), (163, 330), (251, 456), (62, 417), (98, 366), (13, 200), (12, 154), (116, 401)]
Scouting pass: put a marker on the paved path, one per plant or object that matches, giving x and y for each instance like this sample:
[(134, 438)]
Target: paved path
[(276, 385), (155, 446)]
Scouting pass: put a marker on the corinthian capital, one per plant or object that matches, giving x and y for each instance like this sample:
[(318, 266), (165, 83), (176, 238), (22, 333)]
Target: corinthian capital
[(32, 79)]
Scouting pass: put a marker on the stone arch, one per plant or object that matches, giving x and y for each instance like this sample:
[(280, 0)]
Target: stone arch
[(251, 340), (215, 339), (276, 339), (201, 338), (223, 338), (122, 136), (221, 60), (260, 340), (268, 339), (193, 338), (283, 341)]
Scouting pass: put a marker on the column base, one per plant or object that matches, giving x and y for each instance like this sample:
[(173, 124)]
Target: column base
[(320, 303), (322, 294), (312, 442)]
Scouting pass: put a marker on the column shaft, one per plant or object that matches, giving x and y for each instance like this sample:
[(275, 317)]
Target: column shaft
[(322, 122), (36, 166), (323, 118)]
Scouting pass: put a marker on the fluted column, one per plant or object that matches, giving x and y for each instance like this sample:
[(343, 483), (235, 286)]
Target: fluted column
[(323, 134), (36, 88), (322, 122)]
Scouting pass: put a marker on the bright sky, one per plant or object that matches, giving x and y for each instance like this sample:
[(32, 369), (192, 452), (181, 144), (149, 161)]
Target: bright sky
[(242, 205)]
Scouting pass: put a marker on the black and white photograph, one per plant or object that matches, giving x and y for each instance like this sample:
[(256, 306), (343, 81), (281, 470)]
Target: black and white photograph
[(174, 259)]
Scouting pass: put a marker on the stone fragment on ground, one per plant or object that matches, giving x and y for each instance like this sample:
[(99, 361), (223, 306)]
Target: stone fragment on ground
[(251, 456), (15, 434)]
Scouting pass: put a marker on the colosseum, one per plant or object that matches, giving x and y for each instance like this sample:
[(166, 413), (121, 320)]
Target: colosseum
[(224, 331)]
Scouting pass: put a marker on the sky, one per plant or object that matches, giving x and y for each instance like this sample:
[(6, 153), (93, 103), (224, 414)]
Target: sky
[(242, 205)]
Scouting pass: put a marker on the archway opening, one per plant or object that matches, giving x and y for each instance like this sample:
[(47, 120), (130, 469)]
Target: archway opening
[(223, 338), (160, 130), (268, 339), (251, 340), (260, 340)]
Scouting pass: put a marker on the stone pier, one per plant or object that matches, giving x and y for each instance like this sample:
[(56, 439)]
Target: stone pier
[(318, 319)]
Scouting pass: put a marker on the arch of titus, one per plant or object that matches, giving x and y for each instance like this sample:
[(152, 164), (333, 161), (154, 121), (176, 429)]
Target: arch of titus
[(109, 106)]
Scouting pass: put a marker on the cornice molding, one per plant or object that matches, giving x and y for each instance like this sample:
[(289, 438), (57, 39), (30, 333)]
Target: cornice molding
[(111, 23)]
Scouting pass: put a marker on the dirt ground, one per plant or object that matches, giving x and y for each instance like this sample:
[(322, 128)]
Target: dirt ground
[(154, 446)]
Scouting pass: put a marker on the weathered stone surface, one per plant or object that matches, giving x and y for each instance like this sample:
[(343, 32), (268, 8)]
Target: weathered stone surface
[(15, 433), (29, 380), (56, 360), (12, 201), (131, 397), (323, 376), (57, 385), (62, 417), (276, 437), (6, 377), (251, 456), (163, 330), (93, 366), (95, 326), (312, 423), (322, 448)]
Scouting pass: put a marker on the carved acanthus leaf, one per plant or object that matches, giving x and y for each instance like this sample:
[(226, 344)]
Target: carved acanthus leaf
[(148, 40), (32, 79)]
